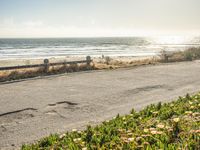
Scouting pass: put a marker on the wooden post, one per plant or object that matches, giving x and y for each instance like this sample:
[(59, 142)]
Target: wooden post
[(166, 58), (88, 59), (46, 65)]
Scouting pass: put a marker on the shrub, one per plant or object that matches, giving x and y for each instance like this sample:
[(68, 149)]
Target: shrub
[(188, 55)]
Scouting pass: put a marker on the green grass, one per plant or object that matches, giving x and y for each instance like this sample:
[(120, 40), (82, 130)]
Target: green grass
[(169, 126)]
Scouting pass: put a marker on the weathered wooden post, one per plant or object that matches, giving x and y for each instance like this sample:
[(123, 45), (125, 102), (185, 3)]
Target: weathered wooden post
[(46, 65), (164, 56), (88, 59)]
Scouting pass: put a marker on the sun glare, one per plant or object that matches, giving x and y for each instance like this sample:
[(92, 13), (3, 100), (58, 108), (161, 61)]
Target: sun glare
[(171, 39)]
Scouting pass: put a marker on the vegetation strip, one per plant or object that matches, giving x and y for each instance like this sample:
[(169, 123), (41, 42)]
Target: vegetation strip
[(174, 125), (24, 74), (107, 62)]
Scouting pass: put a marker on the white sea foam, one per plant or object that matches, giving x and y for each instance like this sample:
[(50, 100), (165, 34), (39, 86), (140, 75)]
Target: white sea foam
[(41, 48)]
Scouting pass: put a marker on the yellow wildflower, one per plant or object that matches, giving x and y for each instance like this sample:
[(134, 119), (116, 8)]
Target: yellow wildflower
[(61, 136), (146, 130), (176, 119), (76, 140), (190, 102), (155, 112), (188, 112), (130, 139), (196, 114), (161, 126), (192, 107), (153, 132), (159, 132), (74, 130), (151, 129)]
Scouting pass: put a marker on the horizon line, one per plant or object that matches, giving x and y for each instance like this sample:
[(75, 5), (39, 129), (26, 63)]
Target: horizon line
[(100, 36)]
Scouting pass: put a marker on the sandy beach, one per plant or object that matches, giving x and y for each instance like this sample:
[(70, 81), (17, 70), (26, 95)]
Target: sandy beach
[(28, 61)]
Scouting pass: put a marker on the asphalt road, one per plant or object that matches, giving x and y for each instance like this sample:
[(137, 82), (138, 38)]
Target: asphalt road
[(32, 109)]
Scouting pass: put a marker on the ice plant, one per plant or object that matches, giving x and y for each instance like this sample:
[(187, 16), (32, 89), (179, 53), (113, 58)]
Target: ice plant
[(173, 125)]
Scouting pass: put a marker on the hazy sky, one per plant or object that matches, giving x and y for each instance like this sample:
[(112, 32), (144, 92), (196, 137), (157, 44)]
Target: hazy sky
[(72, 18)]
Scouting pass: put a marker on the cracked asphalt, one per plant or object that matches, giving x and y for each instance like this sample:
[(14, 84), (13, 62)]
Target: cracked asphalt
[(35, 108)]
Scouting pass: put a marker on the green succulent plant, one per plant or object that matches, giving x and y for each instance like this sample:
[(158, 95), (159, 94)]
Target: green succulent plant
[(174, 125)]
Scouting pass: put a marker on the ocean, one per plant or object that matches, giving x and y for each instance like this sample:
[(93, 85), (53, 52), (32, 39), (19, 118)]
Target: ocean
[(95, 47)]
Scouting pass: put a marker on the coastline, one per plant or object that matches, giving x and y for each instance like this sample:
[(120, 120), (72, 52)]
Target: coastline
[(29, 61), (98, 63)]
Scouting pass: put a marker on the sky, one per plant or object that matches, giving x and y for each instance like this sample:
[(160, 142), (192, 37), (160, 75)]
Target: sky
[(97, 18)]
